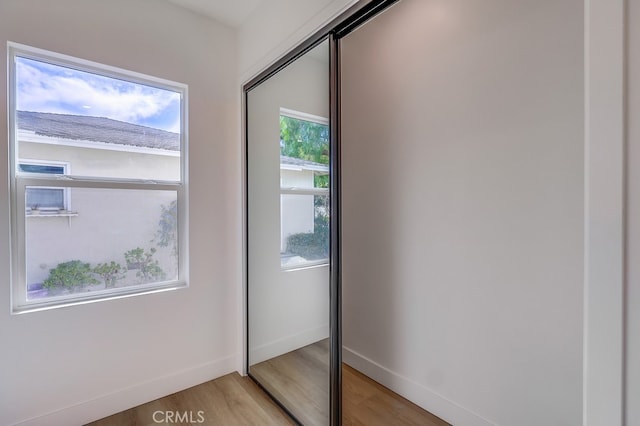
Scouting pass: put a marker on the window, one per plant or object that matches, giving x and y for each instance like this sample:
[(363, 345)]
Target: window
[(304, 190), (113, 142), (54, 200)]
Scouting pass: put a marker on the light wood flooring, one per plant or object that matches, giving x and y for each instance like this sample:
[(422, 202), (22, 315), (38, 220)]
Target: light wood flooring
[(300, 380), (226, 401), (234, 400), (366, 402)]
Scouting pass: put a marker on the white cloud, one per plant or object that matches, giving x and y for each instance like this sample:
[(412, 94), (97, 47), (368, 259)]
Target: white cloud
[(175, 126), (70, 92)]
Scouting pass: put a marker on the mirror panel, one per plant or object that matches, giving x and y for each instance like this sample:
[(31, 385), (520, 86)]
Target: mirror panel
[(288, 235)]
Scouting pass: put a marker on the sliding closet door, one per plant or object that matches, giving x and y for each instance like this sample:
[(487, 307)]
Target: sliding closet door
[(288, 235), (462, 207)]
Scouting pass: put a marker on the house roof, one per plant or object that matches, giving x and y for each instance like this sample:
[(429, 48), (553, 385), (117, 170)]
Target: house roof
[(106, 130), (299, 164), (97, 129)]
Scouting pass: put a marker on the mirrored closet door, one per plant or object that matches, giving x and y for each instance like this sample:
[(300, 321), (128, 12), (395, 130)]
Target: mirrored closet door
[(288, 243)]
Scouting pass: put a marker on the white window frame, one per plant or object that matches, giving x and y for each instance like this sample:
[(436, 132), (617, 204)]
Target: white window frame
[(66, 166), (298, 115), (19, 182)]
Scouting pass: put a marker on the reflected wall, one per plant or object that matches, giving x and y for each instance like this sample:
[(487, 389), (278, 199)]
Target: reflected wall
[(288, 288)]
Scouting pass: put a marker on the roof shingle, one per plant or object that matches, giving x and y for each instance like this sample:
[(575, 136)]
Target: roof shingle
[(97, 129), (291, 161)]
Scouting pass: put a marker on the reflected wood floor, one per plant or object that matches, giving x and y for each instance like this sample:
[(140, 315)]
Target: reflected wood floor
[(300, 381), (234, 400)]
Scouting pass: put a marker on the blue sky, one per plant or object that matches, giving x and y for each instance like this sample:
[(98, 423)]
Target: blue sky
[(43, 87)]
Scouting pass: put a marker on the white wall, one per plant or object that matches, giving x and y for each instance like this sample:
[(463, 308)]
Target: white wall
[(277, 26), (633, 214), (287, 309), (73, 365), (463, 207)]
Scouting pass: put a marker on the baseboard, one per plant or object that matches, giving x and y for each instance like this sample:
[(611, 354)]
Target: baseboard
[(414, 392), (132, 396), (288, 343)]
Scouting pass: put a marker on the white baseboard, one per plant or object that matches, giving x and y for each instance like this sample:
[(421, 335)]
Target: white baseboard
[(414, 392), (132, 396), (288, 343)]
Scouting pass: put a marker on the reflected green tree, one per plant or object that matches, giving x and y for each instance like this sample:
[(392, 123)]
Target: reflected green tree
[(309, 141), (305, 140)]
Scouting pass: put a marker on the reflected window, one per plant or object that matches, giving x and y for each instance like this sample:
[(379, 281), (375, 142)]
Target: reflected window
[(304, 189)]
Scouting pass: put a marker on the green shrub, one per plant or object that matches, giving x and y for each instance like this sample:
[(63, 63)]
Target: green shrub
[(311, 245), (148, 268), (69, 275), (110, 273), (167, 233)]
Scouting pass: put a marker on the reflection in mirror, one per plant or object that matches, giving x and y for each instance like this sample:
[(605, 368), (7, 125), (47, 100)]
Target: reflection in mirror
[(288, 236)]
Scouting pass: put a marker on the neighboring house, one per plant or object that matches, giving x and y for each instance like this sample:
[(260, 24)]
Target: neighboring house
[(297, 206), (66, 223)]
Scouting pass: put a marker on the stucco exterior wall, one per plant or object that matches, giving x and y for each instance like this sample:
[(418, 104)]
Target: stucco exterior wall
[(105, 163), (296, 211)]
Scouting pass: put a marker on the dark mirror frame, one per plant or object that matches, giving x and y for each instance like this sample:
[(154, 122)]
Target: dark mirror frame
[(333, 32)]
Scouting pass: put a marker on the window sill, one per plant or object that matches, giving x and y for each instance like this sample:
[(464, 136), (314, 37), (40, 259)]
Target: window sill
[(52, 214), (97, 296), (304, 265)]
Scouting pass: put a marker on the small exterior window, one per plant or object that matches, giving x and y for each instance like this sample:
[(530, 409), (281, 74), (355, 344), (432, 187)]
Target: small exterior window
[(112, 143), (46, 199), (304, 190)]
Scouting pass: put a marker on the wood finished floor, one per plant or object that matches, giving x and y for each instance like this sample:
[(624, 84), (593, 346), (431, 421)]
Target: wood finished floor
[(228, 400), (234, 400), (368, 403)]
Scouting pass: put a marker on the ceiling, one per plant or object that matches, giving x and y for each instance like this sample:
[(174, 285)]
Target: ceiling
[(230, 12)]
